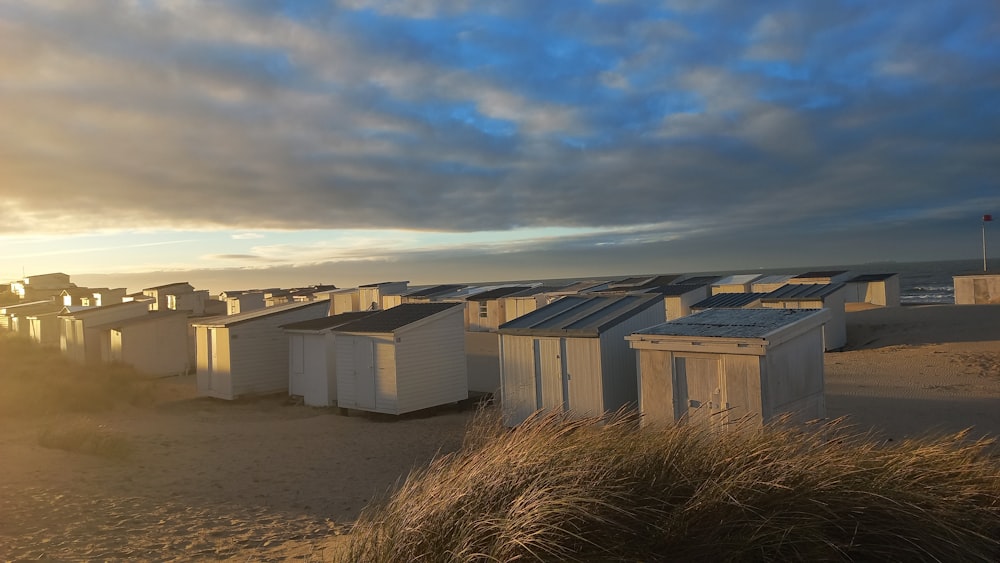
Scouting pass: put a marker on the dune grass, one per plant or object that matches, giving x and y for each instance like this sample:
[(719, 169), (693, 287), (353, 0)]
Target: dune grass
[(39, 381), (560, 490), (83, 435)]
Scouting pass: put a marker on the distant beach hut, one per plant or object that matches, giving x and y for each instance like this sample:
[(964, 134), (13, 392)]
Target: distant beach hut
[(736, 283), (9, 312), (44, 328), (723, 366), (243, 302), (486, 311), (312, 353), (815, 296), (403, 359), (980, 288), (370, 295), (820, 276), (679, 298), (571, 355), (80, 330), (154, 344), (769, 283), (247, 354), (877, 289)]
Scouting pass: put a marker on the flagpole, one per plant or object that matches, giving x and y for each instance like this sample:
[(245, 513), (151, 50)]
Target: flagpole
[(986, 219)]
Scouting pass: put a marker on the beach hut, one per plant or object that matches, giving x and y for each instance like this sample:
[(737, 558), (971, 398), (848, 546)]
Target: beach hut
[(41, 287), (80, 330), (736, 283), (312, 368), (877, 289), (9, 313), (343, 300), (815, 296), (981, 288), (155, 343), (724, 366), (769, 283), (159, 294), (642, 282), (571, 355), (820, 276), (247, 354), (486, 311), (729, 301), (44, 328), (244, 302), (697, 280), (370, 295), (403, 359)]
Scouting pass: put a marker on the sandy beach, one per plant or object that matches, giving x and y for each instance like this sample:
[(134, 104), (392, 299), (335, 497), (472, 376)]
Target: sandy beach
[(267, 479)]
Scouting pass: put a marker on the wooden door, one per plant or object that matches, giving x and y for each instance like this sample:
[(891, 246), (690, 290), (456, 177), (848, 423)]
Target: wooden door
[(549, 373), (364, 372), (698, 390)]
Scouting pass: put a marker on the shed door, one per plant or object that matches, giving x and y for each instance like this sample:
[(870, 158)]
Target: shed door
[(549, 373), (699, 390), (364, 372), (215, 382), (297, 358)]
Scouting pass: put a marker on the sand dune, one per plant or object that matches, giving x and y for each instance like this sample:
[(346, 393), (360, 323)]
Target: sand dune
[(266, 479)]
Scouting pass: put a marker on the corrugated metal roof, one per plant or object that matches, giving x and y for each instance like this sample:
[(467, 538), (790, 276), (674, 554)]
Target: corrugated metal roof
[(802, 292), (728, 300), (674, 290), (229, 320), (533, 291), (737, 279), (434, 290), (871, 277), (773, 278), (731, 323), (821, 274), (577, 315), (324, 323), (644, 281), (397, 317), (499, 292), (697, 280)]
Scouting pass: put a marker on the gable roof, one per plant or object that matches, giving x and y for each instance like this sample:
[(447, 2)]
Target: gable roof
[(733, 323), (324, 323), (580, 315), (728, 300), (498, 292), (397, 317), (802, 292)]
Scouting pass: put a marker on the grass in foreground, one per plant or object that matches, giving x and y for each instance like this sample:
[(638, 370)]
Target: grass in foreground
[(86, 436), (559, 490), (38, 381)]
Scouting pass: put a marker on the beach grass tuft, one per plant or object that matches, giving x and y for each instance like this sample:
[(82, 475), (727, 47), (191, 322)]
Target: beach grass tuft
[(555, 489), (86, 436)]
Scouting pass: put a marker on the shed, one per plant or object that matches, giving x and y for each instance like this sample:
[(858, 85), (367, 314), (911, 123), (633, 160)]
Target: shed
[(80, 331), (724, 366), (8, 313), (815, 296), (155, 344), (244, 302), (403, 359), (571, 355), (769, 283), (312, 368), (679, 298), (247, 354), (430, 293), (982, 288), (370, 295), (736, 283), (343, 301), (486, 311), (697, 280), (729, 301), (643, 282), (877, 289), (159, 293), (44, 328)]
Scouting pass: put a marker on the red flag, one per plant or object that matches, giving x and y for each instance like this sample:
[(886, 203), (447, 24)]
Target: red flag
[(987, 217)]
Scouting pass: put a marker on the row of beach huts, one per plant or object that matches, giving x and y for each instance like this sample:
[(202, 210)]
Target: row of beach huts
[(710, 348)]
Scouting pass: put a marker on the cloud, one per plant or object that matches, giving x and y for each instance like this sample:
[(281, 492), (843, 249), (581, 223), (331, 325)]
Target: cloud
[(247, 236), (446, 116)]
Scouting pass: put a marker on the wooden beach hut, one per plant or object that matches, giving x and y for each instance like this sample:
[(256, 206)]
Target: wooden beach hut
[(43, 328), (736, 283), (571, 355), (820, 276), (981, 288), (729, 301), (769, 283), (724, 366), (877, 289), (247, 354), (370, 295), (312, 368), (486, 311), (403, 359), (815, 296)]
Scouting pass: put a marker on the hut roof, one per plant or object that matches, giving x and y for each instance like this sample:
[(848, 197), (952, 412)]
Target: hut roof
[(580, 315), (397, 317), (728, 300), (732, 323), (802, 292), (871, 277)]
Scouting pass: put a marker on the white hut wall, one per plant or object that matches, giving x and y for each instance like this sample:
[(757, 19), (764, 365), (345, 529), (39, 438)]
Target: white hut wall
[(344, 302), (834, 330), (794, 378), (390, 301), (366, 372), (158, 347), (214, 371), (519, 389), (482, 353), (72, 339), (369, 298), (431, 367), (312, 368), (515, 307)]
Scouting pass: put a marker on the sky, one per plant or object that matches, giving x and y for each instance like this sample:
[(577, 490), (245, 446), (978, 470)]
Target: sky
[(264, 143)]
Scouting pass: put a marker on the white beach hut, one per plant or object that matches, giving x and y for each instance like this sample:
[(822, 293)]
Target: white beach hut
[(815, 296), (729, 301), (821, 276), (9, 312), (154, 344), (247, 354), (769, 283), (679, 298), (877, 289), (80, 330), (312, 367), (44, 328), (486, 311), (404, 359), (571, 355), (370, 295), (736, 283), (725, 366)]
